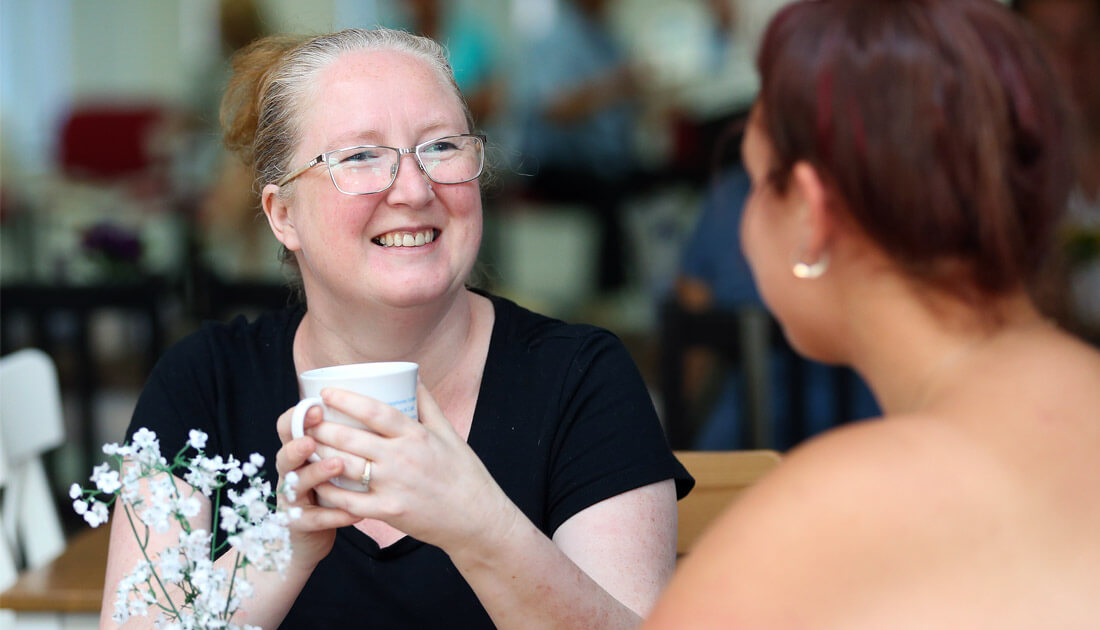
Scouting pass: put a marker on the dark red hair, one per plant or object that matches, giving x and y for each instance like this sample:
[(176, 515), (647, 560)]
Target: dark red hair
[(938, 124)]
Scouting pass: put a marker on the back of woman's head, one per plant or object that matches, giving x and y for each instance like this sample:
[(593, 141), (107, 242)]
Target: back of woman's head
[(936, 123), (273, 77)]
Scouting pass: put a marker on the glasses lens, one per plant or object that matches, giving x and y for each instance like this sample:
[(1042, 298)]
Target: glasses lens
[(453, 159), (363, 170)]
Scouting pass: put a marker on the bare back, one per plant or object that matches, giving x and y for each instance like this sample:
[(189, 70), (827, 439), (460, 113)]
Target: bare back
[(982, 511)]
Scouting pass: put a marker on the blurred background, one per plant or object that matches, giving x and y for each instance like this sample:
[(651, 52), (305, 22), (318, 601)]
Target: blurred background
[(614, 198)]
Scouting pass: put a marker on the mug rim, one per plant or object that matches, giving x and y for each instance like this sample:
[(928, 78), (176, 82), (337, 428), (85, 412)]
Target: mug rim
[(369, 368)]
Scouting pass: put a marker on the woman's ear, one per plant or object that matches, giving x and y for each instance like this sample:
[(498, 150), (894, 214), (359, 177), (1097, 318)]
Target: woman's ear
[(277, 211), (818, 224)]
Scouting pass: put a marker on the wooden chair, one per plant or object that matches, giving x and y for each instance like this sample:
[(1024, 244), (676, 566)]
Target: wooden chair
[(720, 476)]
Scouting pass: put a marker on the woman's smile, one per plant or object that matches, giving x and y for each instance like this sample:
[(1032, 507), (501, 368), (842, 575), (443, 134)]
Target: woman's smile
[(400, 238)]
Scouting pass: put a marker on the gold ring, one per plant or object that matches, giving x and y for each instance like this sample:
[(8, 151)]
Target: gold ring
[(365, 477)]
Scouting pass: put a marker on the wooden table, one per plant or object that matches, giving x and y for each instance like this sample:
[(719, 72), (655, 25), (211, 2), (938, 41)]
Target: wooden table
[(70, 588)]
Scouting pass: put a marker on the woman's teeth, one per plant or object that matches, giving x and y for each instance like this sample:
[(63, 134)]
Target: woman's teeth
[(405, 239)]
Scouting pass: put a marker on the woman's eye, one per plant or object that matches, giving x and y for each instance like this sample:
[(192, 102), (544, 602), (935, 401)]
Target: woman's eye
[(361, 156), (441, 146)]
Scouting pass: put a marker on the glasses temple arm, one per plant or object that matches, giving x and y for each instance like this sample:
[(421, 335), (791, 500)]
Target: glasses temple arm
[(291, 175)]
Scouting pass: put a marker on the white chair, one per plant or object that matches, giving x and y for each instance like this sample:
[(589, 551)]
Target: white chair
[(30, 424), (9, 570)]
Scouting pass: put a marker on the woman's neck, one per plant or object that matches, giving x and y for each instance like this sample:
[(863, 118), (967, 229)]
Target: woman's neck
[(435, 336), (912, 349)]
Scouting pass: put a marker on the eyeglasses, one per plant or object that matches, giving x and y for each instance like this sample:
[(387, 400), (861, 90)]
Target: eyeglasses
[(369, 169)]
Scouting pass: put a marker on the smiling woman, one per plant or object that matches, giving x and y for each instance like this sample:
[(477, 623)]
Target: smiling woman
[(501, 506)]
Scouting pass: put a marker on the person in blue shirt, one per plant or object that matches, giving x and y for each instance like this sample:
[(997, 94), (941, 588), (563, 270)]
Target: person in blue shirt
[(715, 275), (575, 108)]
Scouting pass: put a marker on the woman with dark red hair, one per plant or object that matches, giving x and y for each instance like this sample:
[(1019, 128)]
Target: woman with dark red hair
[(909, 163)]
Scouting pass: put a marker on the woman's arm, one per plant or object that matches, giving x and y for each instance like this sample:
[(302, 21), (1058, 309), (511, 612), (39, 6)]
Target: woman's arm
[(603, 569)]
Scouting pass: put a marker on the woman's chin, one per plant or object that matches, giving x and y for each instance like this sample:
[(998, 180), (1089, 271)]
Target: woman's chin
[(420, 294)]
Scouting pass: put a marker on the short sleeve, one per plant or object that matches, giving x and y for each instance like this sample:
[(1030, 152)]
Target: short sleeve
[(177, 396), (610, 440)]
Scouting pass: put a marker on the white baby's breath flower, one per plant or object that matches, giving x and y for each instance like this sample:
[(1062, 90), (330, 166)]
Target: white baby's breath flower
[(146, 447), (196, 544), (201, 477), (234, 475), (105, 479), (97, 515), (230, 519), (147, 490), (189, 507), (196, 439), (170, 565), (243, 588), (144, 438), (131, 485)]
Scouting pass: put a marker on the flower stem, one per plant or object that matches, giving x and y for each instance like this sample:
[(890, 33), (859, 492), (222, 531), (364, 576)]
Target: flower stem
[(145, 554), (232, 580)]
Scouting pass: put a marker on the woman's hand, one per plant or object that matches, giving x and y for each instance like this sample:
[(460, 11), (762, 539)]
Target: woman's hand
[(425, 480), (313, 533)]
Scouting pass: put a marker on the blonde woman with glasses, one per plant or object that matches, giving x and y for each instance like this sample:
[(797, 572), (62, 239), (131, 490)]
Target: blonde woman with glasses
[(536, 489)]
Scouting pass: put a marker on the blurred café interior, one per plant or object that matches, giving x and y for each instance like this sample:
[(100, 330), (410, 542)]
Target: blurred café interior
[(124, 223)]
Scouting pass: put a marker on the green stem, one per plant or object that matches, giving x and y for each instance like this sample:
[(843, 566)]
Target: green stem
[(145, 554), (232, 581), (214, 522)]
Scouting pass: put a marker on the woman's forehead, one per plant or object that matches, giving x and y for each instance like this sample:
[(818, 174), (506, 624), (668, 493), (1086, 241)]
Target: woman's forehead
[(369, 94)]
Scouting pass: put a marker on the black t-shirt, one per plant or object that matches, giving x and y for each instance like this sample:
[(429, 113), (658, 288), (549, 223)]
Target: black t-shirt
[(562, 422)]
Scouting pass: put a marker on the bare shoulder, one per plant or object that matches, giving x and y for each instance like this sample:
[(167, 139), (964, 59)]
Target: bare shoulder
[(864, 524)]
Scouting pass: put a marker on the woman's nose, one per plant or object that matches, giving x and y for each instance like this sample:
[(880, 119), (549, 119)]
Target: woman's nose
[(411, 186)]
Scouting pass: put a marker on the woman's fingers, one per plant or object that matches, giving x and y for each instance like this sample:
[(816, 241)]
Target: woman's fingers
[(353, 463), (375, 415), (294, 456), (322, 518), (431, 415), (313, 417)]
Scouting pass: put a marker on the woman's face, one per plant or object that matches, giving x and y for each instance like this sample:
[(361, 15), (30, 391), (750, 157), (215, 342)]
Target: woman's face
[(764, 222), (392, 99), (770, 232)]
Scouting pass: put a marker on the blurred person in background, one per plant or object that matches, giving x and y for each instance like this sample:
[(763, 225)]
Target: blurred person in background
[(503, 505), (233, 240), (576, 108), (909, 164), (472, 48)]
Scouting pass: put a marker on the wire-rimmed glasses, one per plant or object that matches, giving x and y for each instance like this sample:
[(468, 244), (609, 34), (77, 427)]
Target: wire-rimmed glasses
[(368, 169)]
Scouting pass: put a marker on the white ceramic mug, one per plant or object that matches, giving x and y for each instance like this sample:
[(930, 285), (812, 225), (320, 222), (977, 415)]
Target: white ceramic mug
[(392, 382)]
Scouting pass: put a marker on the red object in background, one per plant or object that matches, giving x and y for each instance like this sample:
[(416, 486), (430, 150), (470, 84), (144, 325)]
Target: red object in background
[(108, 141)]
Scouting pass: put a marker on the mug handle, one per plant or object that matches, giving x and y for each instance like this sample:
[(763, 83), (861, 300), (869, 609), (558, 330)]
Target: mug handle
[(298, 418)]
